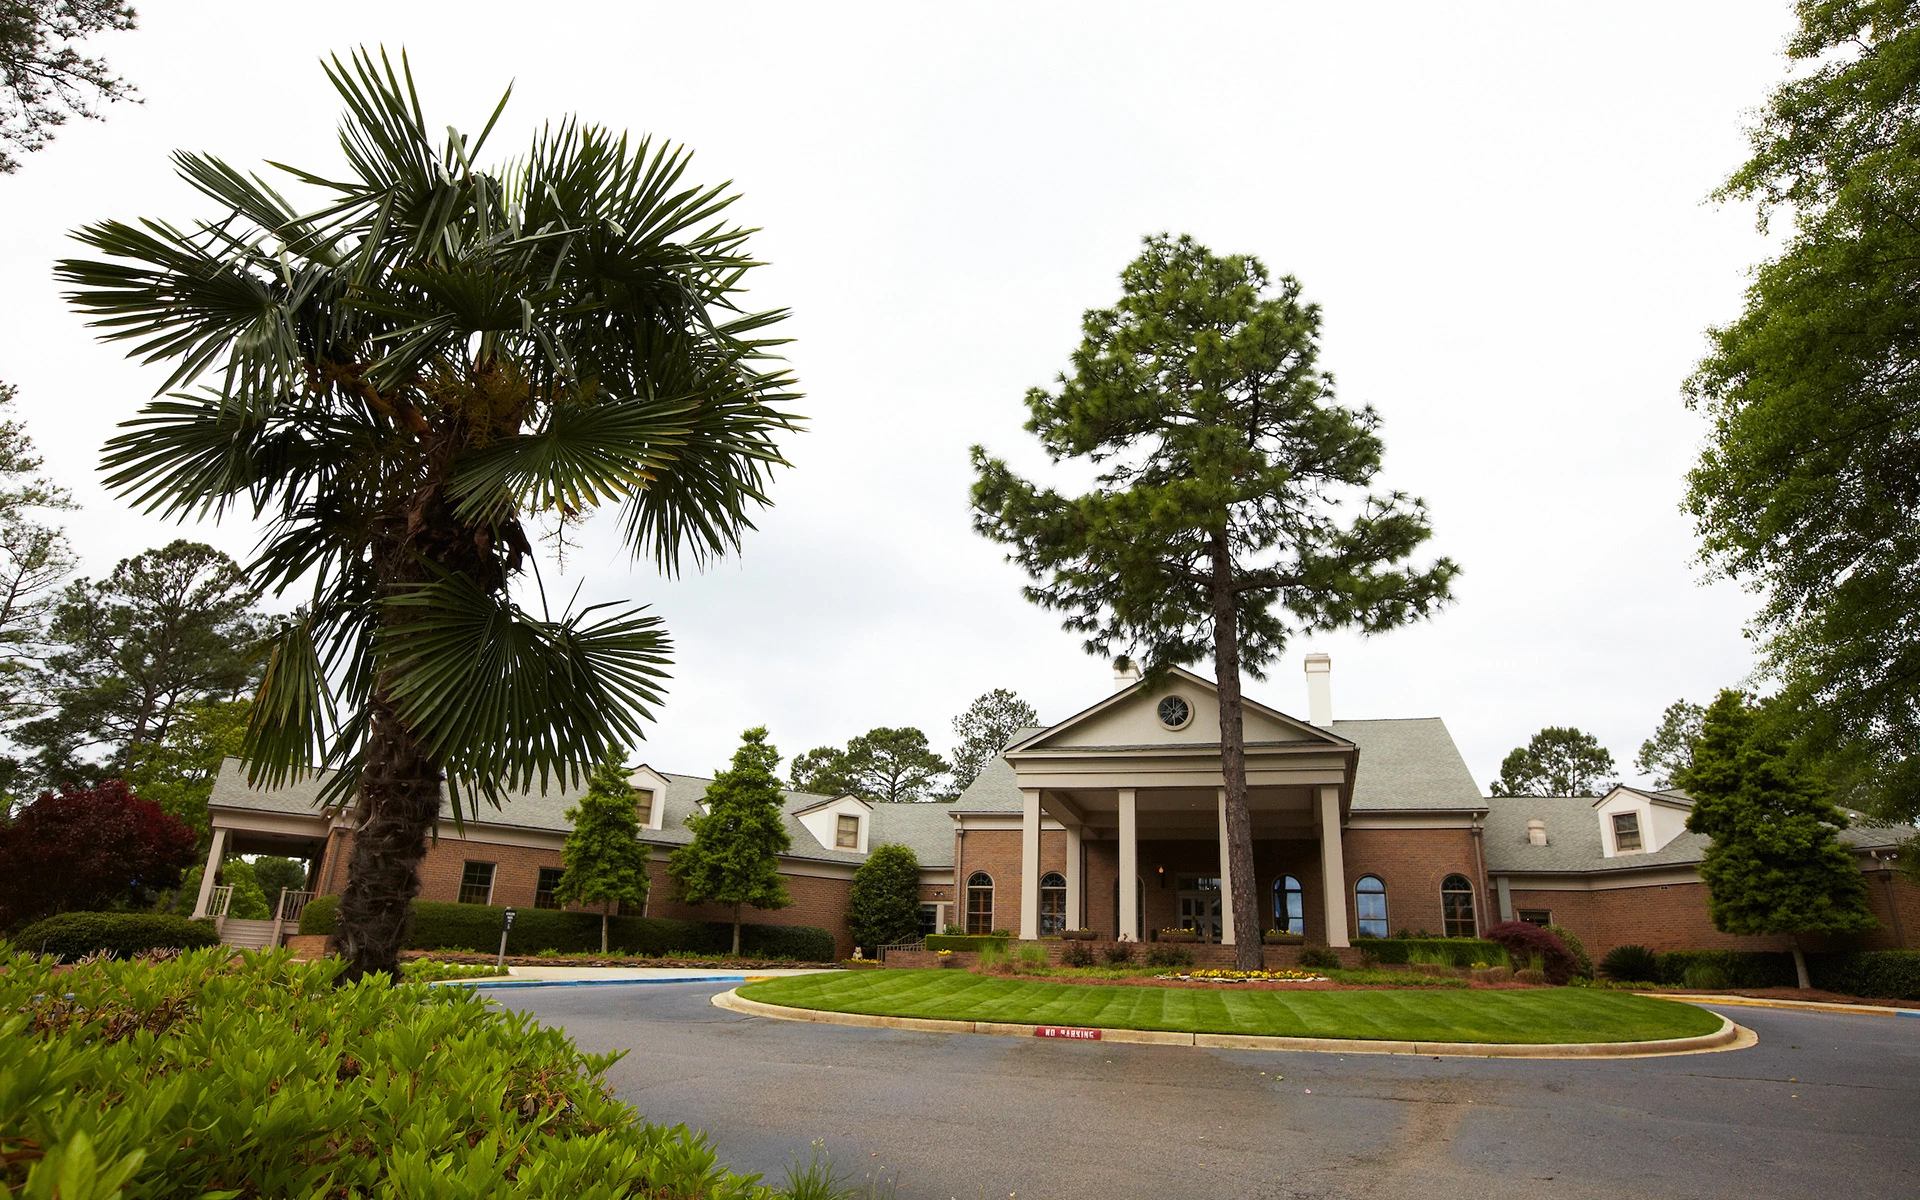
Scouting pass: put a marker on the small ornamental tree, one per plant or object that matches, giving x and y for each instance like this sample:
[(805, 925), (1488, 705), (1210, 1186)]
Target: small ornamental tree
[(1522, 941), (883, 905), (88, 848), (606, 863), (734, 856), (1776, 864)]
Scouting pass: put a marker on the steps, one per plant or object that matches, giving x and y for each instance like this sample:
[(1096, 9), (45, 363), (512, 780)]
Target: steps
[(246, 935)]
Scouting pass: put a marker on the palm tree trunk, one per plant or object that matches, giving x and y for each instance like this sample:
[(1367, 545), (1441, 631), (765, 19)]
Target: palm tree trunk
[(736, 931), (399, 800), (1233, 760)]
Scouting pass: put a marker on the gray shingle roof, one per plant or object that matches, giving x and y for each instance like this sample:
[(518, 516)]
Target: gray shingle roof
[(1409, 764), (924, 827), (1573, 836)]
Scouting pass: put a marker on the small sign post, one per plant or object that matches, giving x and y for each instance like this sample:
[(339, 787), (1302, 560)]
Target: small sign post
[(505, 925)]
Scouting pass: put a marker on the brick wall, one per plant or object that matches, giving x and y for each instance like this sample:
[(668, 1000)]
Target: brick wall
[(1412, 863), (997, 852), (1273, 958)]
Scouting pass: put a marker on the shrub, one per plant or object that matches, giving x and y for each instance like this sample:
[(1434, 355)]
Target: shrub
[(1707, 977), (1030, 956), (994, 960), (1582, 962), (1118, 954), (375, 1090), (1169, 956), (1522, 941), (964, 942), (1629, 964), (1454, 952), (476, 927), (883, 906), (75, 935), (1893, 974), (1530, 975), (1740, 968), (1003, 933), (84, 849), (1077, 954), (1320, 958)]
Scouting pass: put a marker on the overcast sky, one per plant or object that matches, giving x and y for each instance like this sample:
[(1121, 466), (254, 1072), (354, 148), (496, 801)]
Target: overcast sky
[(1501, 208)]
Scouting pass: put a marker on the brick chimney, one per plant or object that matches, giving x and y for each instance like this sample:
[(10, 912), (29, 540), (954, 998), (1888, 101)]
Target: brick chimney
[(1125, 674)]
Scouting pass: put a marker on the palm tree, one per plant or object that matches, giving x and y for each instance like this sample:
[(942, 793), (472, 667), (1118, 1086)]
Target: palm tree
[(402, 379)]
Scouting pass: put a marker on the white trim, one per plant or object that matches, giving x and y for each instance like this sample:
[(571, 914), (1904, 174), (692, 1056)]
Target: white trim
[(1465, 818)]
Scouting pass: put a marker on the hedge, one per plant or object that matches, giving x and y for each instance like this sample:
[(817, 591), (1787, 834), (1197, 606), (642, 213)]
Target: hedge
[(214, 1075), (441, 926), (1889, 974), (75, 935), (1461, 952), (1744, 968), (957, 941)]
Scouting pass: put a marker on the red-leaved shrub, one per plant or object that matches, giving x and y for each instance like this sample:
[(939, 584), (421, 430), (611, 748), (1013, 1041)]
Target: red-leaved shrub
[(88, 848), (1522, 941)]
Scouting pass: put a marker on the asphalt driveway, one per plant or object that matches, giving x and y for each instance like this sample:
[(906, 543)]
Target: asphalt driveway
[(1825, 1106)]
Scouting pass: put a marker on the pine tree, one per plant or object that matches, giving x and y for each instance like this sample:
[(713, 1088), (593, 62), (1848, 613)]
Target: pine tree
[(1776, 864), (606, 863), (734, 856), (883, 905)]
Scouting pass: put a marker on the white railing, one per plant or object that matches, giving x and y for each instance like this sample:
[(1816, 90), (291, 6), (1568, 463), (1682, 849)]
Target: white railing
[(287, 911), (880, 952), (220, 901)]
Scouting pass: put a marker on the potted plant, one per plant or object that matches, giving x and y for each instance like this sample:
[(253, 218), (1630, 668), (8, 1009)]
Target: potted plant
[(945, 958), (1179, 935), (1076, 935), (1280, 937)]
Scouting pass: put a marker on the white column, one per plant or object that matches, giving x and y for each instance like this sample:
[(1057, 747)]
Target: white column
[(216, 853), (1226, 877), (1030, 864), (1129, 868), (1076, 916), (1333, 867)]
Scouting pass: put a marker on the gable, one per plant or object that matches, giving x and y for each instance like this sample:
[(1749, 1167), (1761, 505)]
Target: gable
[(1131, 718)]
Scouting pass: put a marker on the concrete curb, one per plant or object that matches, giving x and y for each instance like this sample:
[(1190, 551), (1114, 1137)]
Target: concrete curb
[(1874, 1010), (501, 981), (1728, 1037)]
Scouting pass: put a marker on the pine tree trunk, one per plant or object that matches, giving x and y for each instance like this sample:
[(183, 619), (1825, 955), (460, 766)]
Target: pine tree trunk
[(736, 931), (1233, 760), (605, 912), (1800, 964), (399, 800)]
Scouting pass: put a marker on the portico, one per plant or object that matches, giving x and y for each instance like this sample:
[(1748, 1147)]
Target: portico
[(1143, 766)]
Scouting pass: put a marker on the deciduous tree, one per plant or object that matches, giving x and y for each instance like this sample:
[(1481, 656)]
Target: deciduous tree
[(88, 848), (1776, 864), (984, 730), (734, 855), (605, 860), (1557, 761), (1807, 488), (177, 770), (1670, 750), (397, 378), (883, 905), (1234, 507)]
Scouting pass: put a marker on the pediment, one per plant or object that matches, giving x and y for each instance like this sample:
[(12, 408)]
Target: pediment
[(1130, 719)]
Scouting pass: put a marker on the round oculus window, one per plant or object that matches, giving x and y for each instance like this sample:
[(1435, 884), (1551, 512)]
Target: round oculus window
[(1175, 712)]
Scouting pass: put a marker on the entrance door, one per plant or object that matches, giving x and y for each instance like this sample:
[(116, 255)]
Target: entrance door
[(1200, 907)]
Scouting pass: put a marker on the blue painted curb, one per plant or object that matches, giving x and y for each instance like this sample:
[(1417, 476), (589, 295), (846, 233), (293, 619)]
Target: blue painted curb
[(497, 982)]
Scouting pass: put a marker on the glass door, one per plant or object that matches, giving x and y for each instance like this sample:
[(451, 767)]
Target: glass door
[(1200, 907)]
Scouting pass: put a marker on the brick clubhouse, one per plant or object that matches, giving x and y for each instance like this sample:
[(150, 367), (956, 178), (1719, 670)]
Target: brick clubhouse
[(1361, 829)]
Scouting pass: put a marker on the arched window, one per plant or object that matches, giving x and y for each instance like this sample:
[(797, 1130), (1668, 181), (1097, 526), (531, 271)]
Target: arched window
[(1370, 907), (1053, 903), (979, 902), (1456, 906), (1289, 911)]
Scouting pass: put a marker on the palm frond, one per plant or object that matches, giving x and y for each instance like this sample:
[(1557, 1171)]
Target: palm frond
[(293, 711), (588, 455)]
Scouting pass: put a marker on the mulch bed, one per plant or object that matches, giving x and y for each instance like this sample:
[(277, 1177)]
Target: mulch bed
[(1813, 994), (699, 964)]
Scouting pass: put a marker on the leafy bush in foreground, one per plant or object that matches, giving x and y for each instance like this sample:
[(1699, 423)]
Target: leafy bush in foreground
[(255, 1076), (75, 935)]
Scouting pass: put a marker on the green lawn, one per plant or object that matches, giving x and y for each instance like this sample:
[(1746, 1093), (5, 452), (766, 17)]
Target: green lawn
[(1427, 1015)]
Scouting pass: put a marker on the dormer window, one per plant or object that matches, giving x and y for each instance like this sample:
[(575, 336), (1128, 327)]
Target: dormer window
[(1626, 832), (846, 832), (643, 807)]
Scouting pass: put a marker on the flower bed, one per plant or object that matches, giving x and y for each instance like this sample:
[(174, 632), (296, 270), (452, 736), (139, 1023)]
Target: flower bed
[(1211, 975)]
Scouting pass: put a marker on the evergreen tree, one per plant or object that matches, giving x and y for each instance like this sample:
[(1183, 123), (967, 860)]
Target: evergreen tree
[(1234, 509), (893, 766), (883, 906), (1776, 864), (1558, 761), (1670, 750), (177, 771), (984, 730), (734, 855), (606, 863)]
